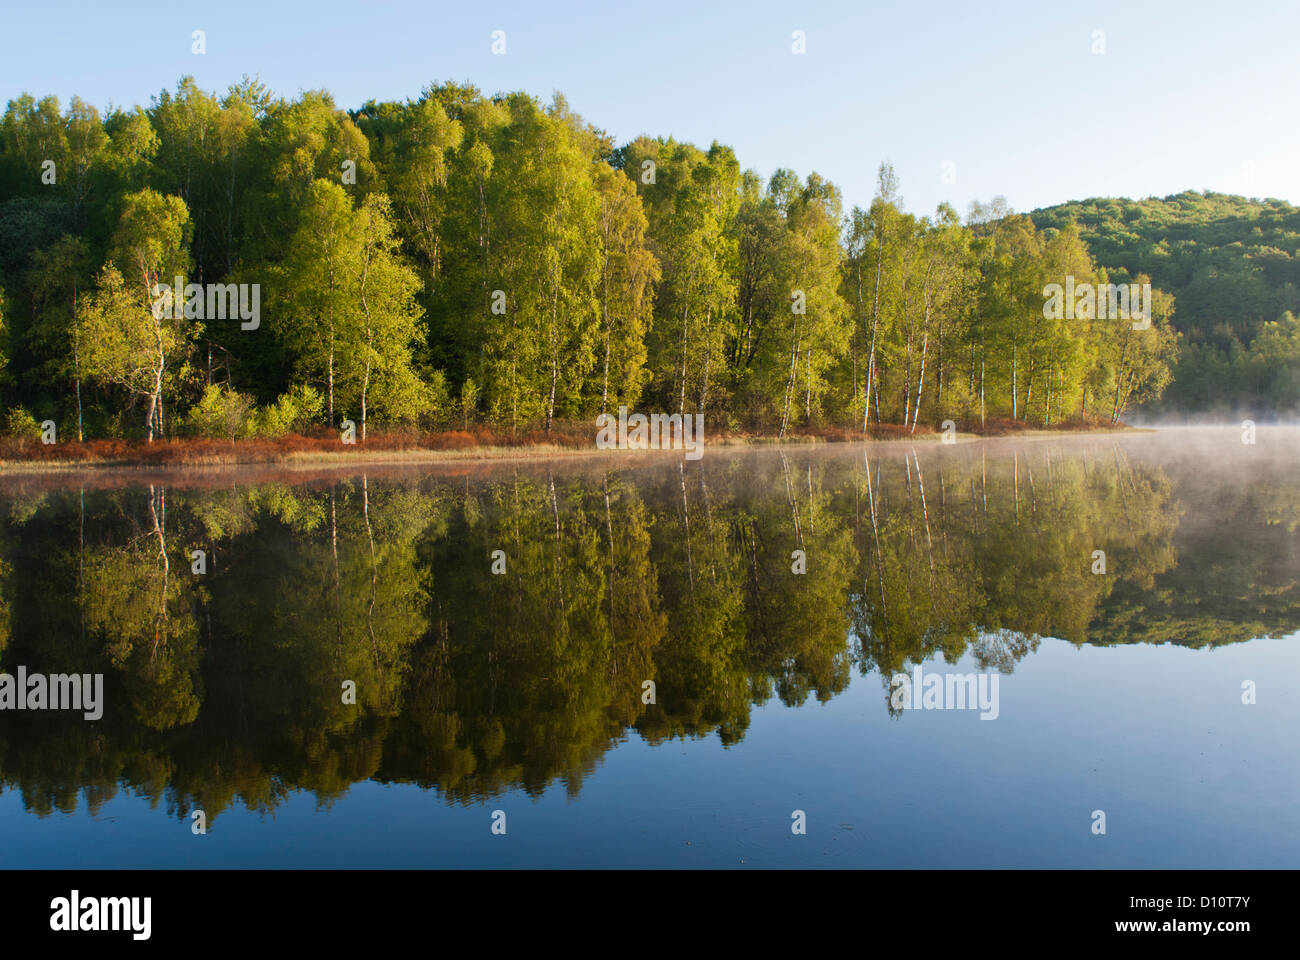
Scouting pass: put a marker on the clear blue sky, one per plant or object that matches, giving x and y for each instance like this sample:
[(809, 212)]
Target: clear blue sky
[(1188, 95)]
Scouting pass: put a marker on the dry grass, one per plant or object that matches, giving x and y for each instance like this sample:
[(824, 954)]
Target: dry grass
[(398, 446), (320, 443)]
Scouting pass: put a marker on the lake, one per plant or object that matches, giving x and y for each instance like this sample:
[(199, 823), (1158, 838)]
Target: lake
[(1039, 652)]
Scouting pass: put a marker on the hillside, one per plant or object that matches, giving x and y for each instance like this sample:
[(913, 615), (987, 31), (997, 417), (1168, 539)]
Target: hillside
[(1233, 266)]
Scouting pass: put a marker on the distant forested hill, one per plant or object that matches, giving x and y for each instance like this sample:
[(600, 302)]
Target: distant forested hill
[(1233, 266)]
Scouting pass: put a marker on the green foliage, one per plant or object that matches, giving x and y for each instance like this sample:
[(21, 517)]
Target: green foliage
[(292, 412), (222, 413), (18, 424), (406, 250), (126, 344), (468, 404), (441, 411), (1232, 263), (4, 338)]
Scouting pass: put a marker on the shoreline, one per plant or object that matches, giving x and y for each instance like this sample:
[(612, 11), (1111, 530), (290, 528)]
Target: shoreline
[(240, 458)]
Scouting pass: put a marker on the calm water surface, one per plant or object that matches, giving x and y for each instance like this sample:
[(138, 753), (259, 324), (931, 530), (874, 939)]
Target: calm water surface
[(525, 691)]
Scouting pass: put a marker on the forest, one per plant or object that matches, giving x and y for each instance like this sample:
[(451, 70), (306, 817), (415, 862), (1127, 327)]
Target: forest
[(1233, 266), (461, 258)]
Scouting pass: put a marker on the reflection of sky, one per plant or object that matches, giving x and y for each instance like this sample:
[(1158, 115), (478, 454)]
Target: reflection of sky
[(1156, 736)]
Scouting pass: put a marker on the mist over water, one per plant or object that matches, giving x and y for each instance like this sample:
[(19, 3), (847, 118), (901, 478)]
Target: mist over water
[(770, 597)]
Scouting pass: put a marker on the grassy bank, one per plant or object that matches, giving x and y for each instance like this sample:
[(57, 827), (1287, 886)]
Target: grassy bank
[(322, 446)]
